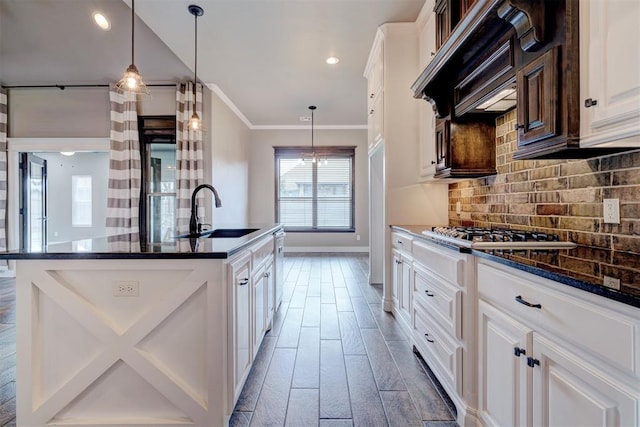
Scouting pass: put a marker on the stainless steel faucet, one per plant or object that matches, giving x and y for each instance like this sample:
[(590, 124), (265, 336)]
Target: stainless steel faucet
[(194, 226)]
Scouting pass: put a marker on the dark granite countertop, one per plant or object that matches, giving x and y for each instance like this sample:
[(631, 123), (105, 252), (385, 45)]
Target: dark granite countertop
[(571, 267), (122, 247)]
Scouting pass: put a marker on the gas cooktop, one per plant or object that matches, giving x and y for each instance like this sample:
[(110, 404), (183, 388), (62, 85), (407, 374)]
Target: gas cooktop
[(497, 238)]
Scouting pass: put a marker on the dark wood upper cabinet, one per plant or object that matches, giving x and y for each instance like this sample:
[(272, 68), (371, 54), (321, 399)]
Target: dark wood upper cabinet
[(465, 149), (485, 48), (537, 94), (443, 21)]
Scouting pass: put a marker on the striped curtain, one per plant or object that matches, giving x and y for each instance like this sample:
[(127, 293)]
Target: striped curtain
[(125, 175), (189, 156), (3, 174)]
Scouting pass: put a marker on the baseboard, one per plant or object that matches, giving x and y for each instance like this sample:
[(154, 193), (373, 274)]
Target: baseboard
[(315, 249)]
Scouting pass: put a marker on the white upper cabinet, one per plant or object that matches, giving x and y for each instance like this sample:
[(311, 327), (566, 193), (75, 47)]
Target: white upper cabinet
[(426, 23), (610, 73)]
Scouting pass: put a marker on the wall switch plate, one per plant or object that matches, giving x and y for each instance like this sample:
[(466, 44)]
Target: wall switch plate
[(126, 288), (611, 211), (358, 237), (458, 208), (611, 282)]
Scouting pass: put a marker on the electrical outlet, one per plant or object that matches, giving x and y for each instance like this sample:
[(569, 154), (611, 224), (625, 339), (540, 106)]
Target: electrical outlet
[(611, 211), (611, 282), (458, 208), (358, 237), (126, 288)]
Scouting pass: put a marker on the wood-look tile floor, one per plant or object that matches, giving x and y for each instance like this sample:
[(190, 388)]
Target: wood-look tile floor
[(334, 358), (7, 352)]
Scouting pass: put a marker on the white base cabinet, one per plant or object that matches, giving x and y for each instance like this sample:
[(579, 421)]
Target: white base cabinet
[(565, 359), (401, 278), (443, 326), (241, 318)]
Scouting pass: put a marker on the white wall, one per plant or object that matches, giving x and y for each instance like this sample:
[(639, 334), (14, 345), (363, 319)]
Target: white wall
[(229, 164), (60, 169), (262, 185)]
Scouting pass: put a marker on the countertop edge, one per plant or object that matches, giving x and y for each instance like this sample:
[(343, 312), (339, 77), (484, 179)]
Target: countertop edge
[(255, 236), (608, 293)]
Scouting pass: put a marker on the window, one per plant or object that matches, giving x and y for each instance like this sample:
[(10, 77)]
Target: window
[(315, 196), (81, 201)]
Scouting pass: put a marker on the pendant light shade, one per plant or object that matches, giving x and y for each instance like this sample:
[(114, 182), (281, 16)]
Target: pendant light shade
[(131, 80), (195, 123)]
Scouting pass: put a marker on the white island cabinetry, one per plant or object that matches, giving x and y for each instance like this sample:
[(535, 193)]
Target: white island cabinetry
[(160, 339)]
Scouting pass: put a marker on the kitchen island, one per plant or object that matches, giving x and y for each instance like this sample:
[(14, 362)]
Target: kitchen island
[(114, 332)]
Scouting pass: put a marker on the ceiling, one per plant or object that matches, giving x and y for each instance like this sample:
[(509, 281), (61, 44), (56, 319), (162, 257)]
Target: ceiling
[(267, 56)]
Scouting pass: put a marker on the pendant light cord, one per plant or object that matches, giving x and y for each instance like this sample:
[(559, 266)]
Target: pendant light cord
[(133, 26), (195, 67)]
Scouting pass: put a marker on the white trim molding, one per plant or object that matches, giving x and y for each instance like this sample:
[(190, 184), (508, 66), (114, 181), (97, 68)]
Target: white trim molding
[(327, 249)]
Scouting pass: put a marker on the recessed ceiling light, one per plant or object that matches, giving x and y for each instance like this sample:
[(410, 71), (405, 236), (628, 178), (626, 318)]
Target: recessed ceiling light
[(101, 21), (67, 153), (332, 60)]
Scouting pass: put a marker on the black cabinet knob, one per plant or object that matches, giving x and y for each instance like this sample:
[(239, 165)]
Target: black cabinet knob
[(590, 102)]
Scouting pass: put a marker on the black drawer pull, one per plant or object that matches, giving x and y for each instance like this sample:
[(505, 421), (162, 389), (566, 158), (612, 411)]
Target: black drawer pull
[(527, 303), (518, 351), (244, 281), (426, 336), (429, 294), (532, 362)]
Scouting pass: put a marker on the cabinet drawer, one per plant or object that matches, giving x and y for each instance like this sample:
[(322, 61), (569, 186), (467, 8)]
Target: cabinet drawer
[(447, 263), (603, 332), (443, 355), (261, 251), (440, 299), (401, 241)]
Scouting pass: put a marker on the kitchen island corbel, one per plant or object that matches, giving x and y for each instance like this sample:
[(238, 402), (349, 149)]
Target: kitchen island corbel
[(159, 335)]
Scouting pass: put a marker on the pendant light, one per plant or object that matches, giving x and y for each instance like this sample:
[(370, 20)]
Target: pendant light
[(314, 158), (195, 123), (131, 80)]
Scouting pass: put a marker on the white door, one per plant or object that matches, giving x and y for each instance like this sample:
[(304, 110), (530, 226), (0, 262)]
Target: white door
[(568, 391), (406, 291), (396, 278), (259, 310), (505, 391), (241, 324)]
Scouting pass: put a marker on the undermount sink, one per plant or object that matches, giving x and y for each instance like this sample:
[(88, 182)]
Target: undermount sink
[(219, 233), (228, 232)]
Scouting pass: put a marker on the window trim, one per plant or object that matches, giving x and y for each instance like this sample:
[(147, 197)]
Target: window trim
[(296, 152)]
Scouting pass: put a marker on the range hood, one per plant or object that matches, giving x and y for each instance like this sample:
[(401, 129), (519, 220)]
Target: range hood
[(502, 101), (478, 61)]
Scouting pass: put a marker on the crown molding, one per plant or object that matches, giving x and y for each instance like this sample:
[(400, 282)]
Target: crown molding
[(216, 89)]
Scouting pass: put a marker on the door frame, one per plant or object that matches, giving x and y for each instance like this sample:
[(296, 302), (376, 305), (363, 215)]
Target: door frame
[(28, 158), (15, 146)]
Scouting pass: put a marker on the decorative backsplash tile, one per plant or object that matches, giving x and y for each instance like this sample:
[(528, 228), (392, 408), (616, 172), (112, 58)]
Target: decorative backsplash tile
[(563, 197)]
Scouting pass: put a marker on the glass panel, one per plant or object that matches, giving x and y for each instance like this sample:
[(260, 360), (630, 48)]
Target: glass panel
[(162, 168), (334, 193), (162, 219)]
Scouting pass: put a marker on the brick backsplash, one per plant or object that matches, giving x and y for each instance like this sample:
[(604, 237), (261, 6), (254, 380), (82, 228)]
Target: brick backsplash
[(562, 197)]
